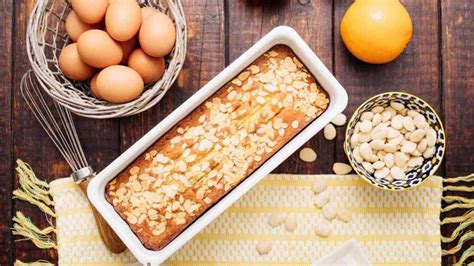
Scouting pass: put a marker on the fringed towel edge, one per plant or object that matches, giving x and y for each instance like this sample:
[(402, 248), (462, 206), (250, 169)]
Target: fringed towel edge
[(35, 192), (465, 220)]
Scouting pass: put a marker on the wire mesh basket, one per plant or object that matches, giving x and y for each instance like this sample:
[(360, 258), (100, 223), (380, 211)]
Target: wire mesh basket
[(46, 37)]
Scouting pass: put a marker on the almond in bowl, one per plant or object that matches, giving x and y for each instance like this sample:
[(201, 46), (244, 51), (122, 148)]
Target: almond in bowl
[(395, 141)]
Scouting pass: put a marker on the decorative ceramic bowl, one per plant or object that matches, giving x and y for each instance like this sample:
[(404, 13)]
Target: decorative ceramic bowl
[(417, 175)]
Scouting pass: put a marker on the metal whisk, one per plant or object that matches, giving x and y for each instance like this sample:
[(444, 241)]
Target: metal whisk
[(58, 123), (62, 133)]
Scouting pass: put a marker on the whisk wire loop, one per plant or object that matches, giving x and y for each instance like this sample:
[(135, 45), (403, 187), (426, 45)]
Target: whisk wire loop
[(56, 121)]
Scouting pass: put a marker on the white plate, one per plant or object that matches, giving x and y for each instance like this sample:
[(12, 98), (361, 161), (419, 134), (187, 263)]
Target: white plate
[(279, 35)]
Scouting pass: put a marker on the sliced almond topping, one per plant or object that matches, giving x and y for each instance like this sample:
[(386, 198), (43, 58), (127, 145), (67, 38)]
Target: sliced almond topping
[(207, 200), (254, 69), (244, 75), (180, 221), (295, 124), (175, 205), (141, 219), (132, 219), (299, 84), (232, 95), (134, 170), (159, 229), (237, 82), (272, 53), (136, 186)]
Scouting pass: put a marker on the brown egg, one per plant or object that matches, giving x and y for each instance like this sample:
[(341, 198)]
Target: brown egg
[(75, 27), (119, 84), (127, 49), (90, 11), (71, 64), (123, 20), (93, 87), (157, 35), (147, 11), (97, 49), (150, 68)]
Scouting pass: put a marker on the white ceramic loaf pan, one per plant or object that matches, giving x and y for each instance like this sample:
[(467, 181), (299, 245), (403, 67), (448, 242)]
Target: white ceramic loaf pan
[(280, 35)]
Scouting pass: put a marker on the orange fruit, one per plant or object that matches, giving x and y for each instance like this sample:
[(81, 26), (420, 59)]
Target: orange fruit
[(376, 31)]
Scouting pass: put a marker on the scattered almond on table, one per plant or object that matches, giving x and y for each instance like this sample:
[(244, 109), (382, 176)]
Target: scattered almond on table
[(276, 219), (339, 120), (329, 211), (308, 155), (320, 185), (329, 132), (344, 215), (341, 168), (322, 228), (264, 247), (290, 223)]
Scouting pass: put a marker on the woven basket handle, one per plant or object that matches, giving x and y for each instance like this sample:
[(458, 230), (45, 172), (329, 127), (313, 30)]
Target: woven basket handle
[(110, 239)]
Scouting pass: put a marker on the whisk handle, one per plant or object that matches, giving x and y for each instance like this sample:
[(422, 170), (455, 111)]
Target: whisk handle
[(110, 239)]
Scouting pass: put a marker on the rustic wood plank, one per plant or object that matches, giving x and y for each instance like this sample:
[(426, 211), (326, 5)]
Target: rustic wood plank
[(31, 144), (415, 71), (204, 59), (458, 80), (6, 183), (248, 21)]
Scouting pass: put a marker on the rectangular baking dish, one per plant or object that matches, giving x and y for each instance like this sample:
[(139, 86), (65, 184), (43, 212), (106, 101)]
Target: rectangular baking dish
[(279, 35)]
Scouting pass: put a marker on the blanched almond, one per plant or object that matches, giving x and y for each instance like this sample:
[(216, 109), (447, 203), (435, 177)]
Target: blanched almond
[(397, 106), (329, 211), (419, 121), (366, 116), (366, 126), (322, 228), (397, 172), (344, 215), (319, 185), (381, 173), (389, 160), (275, 219), (377, 109), (264, 247), (322, 199), (290, 223), (339, 120), (431, 137), (417, 135), (429, 152), (408, 123), (341, 168), (378, 165), (329, 132), (368, 167), (408, 147), (397, 122), (308, 155), (366, 151), (357, 156), (421, 147)]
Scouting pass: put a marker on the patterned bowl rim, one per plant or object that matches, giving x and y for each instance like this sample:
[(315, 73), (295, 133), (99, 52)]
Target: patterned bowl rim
[(358, 110)]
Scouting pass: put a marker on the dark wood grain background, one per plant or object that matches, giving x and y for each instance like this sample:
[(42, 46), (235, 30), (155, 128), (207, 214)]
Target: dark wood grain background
[(437, 65)]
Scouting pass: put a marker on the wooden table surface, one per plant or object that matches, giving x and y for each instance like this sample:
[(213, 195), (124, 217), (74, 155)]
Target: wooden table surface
[(437, 65)]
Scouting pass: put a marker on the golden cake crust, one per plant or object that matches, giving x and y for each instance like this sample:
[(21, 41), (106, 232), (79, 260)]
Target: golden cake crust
[(216, 147)]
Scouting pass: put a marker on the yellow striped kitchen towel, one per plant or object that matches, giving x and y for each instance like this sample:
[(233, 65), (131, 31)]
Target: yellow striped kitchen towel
[(392, 227)]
